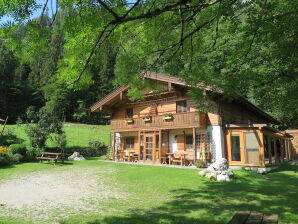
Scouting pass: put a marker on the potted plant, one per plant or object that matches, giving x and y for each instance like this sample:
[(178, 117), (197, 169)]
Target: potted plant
[(147, 118), (167, 116), (129, 120)]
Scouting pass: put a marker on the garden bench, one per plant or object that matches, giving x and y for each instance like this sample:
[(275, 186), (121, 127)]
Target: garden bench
[(51, 156), (247, 217)]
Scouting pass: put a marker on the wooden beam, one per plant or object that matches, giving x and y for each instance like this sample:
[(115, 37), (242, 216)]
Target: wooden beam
[(194, 142), (261, 151), (159, 145), (139, 139), (169, 86)]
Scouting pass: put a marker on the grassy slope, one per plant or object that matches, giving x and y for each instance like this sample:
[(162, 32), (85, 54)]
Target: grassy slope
[(77, 134), (171, 195)]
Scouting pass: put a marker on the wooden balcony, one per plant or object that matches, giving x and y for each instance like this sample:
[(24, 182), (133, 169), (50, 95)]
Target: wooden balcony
[(180, 120)]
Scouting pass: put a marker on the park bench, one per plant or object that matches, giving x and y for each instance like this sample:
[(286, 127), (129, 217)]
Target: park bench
[(51, 156), (247, 217)]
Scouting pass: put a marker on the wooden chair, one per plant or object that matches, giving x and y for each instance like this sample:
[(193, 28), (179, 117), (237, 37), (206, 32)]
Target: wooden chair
[(178, 158), (190, 157), (120, 155)]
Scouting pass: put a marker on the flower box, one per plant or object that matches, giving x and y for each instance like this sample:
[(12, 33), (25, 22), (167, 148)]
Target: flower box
[(167, 117), (129, 120), (147, 118)]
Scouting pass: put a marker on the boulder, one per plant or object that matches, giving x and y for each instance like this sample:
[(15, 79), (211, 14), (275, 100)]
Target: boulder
[(202, 172), (222, 178), (219, 171), (76, 157)]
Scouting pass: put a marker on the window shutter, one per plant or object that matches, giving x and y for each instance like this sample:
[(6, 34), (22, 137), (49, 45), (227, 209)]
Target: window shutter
[(180, 142)]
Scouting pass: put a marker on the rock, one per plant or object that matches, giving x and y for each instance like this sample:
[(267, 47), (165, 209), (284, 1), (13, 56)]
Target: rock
[(76, 157), (222, 178), (211, 176), (219, 171), (202, 172)]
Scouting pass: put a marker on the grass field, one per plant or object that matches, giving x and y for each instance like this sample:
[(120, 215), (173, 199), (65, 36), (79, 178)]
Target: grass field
[(162, 195), (76, 134)]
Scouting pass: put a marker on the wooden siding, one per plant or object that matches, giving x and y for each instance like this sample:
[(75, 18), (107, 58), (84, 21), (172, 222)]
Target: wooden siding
[(181, 120), (236, 114)]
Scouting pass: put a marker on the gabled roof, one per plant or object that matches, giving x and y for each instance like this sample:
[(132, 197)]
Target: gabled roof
[(175, 80), (117, 92)]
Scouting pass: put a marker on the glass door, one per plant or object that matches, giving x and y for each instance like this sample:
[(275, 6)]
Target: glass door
[(235, 148), (149, 147)]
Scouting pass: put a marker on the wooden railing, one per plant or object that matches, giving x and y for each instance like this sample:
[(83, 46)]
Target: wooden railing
[(183, 120)]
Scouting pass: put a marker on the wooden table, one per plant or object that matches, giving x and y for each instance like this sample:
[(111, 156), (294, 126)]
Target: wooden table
[(51, 156), (247, 217), (133, 156)]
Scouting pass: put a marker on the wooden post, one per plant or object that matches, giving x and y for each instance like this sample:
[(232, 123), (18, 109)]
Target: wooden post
[(114, 146), (4, 126), (261, 151), (159, 145), (139, 139), (275, 151), (194, 142), (269, 149)]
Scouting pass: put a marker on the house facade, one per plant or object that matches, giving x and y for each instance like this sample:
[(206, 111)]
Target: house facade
[(167, 124)]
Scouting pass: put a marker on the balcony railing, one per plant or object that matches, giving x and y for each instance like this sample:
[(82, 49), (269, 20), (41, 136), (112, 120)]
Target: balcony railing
[(180, 120)]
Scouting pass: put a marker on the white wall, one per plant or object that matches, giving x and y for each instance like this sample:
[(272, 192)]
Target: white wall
[(217, 149)]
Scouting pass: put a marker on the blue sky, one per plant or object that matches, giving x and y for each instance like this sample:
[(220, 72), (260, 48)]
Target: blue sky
[(51, 5)]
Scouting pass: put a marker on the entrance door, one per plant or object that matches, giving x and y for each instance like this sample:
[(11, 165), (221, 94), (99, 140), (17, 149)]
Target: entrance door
[(149, 146), (235, 152), (243, 148)]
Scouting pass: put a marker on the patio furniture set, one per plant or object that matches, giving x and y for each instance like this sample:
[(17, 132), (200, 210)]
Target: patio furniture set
[(183, 158)]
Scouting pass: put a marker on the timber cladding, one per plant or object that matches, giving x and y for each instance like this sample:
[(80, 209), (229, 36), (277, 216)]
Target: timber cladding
[(236, 114), (294, 141)]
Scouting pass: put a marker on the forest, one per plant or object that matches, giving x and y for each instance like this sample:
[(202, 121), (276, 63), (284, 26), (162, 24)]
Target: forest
[(72, 53)]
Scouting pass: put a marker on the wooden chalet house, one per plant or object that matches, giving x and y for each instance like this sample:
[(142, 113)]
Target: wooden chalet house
[(168, 124)]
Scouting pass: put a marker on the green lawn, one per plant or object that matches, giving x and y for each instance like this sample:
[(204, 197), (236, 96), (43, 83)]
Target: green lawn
[(76, 134), (164, 195)]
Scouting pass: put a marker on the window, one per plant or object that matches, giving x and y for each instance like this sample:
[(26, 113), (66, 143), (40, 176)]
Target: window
[(129, 113), (188, 142), (129, 142), (181, 106)]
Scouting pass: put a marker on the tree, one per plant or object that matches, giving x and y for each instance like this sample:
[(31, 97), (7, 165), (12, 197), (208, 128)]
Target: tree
[(241, 47)]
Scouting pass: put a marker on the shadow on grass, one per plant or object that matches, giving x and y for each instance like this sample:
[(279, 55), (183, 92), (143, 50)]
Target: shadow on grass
[(214, 202)]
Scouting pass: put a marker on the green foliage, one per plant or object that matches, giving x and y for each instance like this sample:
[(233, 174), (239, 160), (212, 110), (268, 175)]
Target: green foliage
[(17, 157), (59, 140), (32, 153), (49, 121), (6, 159), (200, 163), (18, 148)]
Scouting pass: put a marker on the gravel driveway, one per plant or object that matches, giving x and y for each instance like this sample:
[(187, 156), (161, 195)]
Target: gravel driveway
[(48, 196)]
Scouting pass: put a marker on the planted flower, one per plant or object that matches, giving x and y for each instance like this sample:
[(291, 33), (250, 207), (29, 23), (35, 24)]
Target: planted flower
[(167, 116), (147, 118)]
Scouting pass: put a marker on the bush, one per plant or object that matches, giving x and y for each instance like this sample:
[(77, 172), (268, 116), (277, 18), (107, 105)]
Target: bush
[(59, 140), (200, 163), (96, 148), (6, 159), (32, 153), (18, 148), (16, 158)]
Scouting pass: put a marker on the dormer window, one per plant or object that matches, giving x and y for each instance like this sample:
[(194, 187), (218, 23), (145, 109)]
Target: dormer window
[(181, 106), (129, 113)]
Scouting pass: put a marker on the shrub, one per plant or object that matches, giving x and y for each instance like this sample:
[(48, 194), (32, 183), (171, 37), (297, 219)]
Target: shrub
[(16, 158), (18, 148), (3, 150), (200, 163), (6, 159), (97, 148), (59, 140), (32, 153)]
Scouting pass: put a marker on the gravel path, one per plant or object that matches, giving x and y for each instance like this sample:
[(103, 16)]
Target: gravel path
[(50, 195)]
